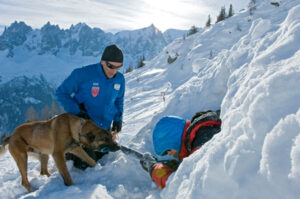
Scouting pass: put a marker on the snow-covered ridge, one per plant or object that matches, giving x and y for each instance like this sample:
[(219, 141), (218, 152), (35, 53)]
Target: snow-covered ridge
[(247, 65), (55, 52), (82, 40)]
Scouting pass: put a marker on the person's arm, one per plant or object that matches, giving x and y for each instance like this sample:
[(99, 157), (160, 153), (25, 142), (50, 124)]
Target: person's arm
[(66, 91), (159, 171), (117, 122), (160, 174)]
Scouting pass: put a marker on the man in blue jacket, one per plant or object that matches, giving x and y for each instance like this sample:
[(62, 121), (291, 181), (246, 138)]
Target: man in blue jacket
[(96, 92)]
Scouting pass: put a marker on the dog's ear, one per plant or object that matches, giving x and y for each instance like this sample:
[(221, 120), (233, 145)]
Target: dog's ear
[(82, 122), (76, 127)]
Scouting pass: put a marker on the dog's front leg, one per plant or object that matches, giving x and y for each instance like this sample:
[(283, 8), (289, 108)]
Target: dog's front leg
[(79, 152), (62, 167)]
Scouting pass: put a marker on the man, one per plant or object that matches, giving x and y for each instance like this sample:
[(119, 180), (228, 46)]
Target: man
[(96, 92), (179, 138)]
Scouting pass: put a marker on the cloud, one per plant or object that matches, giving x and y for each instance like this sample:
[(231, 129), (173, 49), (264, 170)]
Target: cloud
[(108, 14)]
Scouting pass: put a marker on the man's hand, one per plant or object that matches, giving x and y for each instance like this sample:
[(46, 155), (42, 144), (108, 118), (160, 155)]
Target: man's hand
[(114, 135), (148, 162), (83, 115)]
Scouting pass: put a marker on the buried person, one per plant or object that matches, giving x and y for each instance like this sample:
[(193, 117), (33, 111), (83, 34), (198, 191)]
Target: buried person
[(179, 138)]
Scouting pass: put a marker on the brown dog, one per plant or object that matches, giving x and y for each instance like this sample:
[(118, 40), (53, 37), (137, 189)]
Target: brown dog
[(61, 134)]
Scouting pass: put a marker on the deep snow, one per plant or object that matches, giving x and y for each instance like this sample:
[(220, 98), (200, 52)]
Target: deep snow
[(247, 65)]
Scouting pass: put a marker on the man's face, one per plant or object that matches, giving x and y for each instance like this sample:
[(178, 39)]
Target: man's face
[(111, 68), (173, 153)]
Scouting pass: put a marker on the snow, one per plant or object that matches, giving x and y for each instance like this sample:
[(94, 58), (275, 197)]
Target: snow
[(253, 77), (31, 100)]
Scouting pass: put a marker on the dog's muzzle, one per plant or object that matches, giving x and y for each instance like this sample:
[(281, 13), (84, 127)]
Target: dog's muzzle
[(106, 149)]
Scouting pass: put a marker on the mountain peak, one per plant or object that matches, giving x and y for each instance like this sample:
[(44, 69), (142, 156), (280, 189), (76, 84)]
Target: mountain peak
[(14, 35), (17, 27), (152, 28), (78, 26)]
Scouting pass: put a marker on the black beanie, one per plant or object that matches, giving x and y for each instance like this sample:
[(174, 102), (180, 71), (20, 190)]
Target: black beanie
[(112, 53)]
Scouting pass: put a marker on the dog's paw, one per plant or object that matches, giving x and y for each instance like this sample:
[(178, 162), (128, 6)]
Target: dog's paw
[(68, 183), (45, 173), (93, 163), (33, 189)]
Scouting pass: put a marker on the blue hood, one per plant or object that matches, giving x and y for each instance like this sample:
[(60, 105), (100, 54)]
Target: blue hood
[(167, 134)]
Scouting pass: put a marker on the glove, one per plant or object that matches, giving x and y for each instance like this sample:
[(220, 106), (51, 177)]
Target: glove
[(83, 115), (117, 126), (148, 162)]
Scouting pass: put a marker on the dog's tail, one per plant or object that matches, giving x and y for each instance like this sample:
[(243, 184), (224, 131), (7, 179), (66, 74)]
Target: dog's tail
[(3, 144)]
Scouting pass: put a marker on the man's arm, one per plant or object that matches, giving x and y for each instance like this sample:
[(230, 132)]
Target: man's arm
[(66, 91), (120, 101), (117, 123)]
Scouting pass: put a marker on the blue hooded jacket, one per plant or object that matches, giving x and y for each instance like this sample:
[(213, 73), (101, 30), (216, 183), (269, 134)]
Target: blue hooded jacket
[(103, 98), (167, 134)]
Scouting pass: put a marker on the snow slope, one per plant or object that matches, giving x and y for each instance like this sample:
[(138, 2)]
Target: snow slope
[(247, 65)]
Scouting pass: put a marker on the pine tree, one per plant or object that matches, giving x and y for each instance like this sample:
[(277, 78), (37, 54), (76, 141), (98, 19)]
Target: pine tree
[(208, 23), (210, 54), (192, 30), (129, 69), (230, 11), (252, 6), (61, 109), (31, 115), (46, 113), (141, 62), (222, 15), (54, 109)]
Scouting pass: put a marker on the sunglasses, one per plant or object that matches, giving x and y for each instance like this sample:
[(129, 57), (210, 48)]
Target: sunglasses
[(111, 66)]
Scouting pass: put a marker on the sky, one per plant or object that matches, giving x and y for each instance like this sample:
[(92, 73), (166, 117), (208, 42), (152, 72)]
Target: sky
[(114, 15)]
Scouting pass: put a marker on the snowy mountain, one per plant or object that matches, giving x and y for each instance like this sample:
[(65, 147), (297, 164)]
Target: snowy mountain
[(17, 95), (172, 34), (248, 66), (82, 40)]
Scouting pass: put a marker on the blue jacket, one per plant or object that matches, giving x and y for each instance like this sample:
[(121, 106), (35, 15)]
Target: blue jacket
[(102, 98)]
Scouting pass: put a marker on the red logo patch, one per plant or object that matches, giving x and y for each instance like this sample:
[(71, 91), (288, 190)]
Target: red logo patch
[(95, 90)]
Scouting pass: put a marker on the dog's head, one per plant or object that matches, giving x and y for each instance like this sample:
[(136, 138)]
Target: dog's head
[(97, 138)]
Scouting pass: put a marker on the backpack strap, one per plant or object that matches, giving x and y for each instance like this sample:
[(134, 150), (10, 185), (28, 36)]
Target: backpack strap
[(206, 119), (183, 150)]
